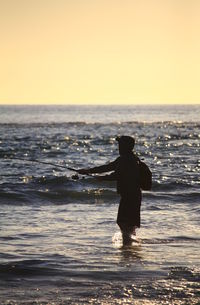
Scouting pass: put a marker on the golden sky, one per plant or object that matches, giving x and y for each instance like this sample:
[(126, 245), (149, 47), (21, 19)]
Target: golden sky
[(99, 51)]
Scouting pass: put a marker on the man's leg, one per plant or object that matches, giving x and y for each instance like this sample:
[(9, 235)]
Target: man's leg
[(127, 232)]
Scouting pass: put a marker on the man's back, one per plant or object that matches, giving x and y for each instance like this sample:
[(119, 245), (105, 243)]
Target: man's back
[(127, 172)]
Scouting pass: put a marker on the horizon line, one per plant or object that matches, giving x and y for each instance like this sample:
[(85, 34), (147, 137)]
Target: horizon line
[(148, 104)]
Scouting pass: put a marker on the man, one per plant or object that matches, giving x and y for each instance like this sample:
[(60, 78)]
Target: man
[(125, 170)]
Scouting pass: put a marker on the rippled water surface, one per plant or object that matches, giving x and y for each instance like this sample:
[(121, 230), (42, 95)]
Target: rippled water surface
[(59, 243)]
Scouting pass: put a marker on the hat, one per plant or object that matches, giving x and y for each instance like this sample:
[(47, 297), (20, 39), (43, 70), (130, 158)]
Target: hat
[(126, 140)]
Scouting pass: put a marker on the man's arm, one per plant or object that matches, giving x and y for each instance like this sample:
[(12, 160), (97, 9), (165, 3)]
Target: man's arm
[(110, 177), (100, 169)]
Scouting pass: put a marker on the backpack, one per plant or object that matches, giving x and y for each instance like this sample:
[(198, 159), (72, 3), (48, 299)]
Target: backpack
[(145, 176)]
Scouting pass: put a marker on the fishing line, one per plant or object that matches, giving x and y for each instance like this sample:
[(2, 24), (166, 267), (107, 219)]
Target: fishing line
[(42, 162)]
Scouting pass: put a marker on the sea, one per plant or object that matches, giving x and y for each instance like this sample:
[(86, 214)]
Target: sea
[(59, 241)]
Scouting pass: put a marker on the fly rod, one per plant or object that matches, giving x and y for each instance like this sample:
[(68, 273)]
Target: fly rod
[(42, 162), (52, 164)]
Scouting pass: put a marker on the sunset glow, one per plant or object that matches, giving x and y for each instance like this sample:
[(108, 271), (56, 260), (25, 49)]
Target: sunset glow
[(99, 52)]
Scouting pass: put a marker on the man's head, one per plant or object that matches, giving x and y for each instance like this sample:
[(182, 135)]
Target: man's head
[(126, 144)]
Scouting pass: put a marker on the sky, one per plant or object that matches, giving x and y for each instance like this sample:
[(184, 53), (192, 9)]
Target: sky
[(99, 51)]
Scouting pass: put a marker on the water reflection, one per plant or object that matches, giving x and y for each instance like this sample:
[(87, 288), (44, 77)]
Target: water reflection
[(131, 253)]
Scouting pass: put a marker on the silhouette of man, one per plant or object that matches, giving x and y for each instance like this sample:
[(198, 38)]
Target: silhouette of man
[(125, 170)]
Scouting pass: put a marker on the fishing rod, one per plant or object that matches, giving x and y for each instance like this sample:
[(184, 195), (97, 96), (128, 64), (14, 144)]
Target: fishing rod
[(42, 162), (52, 164)]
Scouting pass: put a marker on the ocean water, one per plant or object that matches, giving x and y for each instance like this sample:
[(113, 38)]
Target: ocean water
[(59, 242)]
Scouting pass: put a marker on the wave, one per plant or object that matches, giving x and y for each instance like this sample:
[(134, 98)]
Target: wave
[(56, 190), (7, 197), (170, 240), (26, 268), (64, 124), (63, 189), (191, 198), (94, 196), (172, 185)]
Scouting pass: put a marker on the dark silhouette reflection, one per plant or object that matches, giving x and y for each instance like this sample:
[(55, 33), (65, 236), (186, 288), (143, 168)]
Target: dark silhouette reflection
[(131, 253)]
